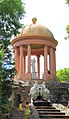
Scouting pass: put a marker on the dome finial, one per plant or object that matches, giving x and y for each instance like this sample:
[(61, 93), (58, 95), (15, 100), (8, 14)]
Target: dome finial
[(34, 20)]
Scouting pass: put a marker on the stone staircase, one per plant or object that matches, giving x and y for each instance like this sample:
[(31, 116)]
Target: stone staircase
[(49, 112)]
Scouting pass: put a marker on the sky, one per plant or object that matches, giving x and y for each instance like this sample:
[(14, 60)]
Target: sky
[(53, 14)]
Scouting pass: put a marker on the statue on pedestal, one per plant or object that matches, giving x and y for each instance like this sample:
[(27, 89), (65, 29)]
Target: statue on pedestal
[(33, 69)]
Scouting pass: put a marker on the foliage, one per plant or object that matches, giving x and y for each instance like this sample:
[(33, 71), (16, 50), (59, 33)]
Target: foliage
[(67, 27), (63, 75), (11, 11), (67, 30), (5, 87), (67, 1), (1, 57), (6, 93), (6, 90)]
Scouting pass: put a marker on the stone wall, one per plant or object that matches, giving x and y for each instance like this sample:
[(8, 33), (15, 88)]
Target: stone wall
[(59, 92)]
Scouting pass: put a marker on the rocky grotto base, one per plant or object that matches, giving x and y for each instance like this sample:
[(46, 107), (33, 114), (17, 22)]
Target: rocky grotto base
[(56, 97)]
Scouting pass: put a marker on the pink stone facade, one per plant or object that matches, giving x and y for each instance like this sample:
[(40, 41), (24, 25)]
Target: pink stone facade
[(30, 45)]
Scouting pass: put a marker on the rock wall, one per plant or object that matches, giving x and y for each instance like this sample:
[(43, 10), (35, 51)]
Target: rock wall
[(59, 92)]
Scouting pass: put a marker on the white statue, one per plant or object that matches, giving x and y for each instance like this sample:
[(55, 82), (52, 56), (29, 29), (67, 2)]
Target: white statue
[(34, 91), (39, 90), (33, 65), (45, 92), (43, 85), (34, 73)]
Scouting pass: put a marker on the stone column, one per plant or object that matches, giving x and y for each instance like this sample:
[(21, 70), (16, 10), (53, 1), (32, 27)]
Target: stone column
[(21, 61), (38, 66), (24, 64), (54, 58), (45, 63), (16, 58), (51, 60), (29, 58)]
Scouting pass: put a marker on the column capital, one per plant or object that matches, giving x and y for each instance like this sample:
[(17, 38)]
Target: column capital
[(29, 44), (50, 46), (45, 45), (21, 45), (38, 56), (54, 49), (16, 47)]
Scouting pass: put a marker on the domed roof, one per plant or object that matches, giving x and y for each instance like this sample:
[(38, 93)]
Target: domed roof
[(35, 29)]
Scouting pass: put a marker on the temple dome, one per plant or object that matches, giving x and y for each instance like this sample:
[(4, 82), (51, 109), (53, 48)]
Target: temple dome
[(37, 35), (35, 29)]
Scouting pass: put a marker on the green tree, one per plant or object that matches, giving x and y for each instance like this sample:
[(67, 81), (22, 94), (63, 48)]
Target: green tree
[(67, 30), (67, 1), (63, 75), (67, 27), (1, 57), (11, 11)]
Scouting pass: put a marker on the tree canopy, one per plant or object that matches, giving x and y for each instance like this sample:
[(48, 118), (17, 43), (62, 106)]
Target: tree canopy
[(63, 75), (1, 57), (67, 27), (11, 11), (67, 1)]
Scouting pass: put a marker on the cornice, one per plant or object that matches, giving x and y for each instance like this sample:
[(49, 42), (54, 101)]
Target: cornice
[(27, 37)]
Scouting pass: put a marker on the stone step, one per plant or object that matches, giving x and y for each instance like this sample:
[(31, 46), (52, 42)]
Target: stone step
[(41, 103), (53, 116), (50, 113), (44, 107), (53, 110)]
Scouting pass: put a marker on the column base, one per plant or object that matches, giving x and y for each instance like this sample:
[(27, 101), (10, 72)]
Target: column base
[(45, 76), (27, 76), (19, 76), (49, 77)]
